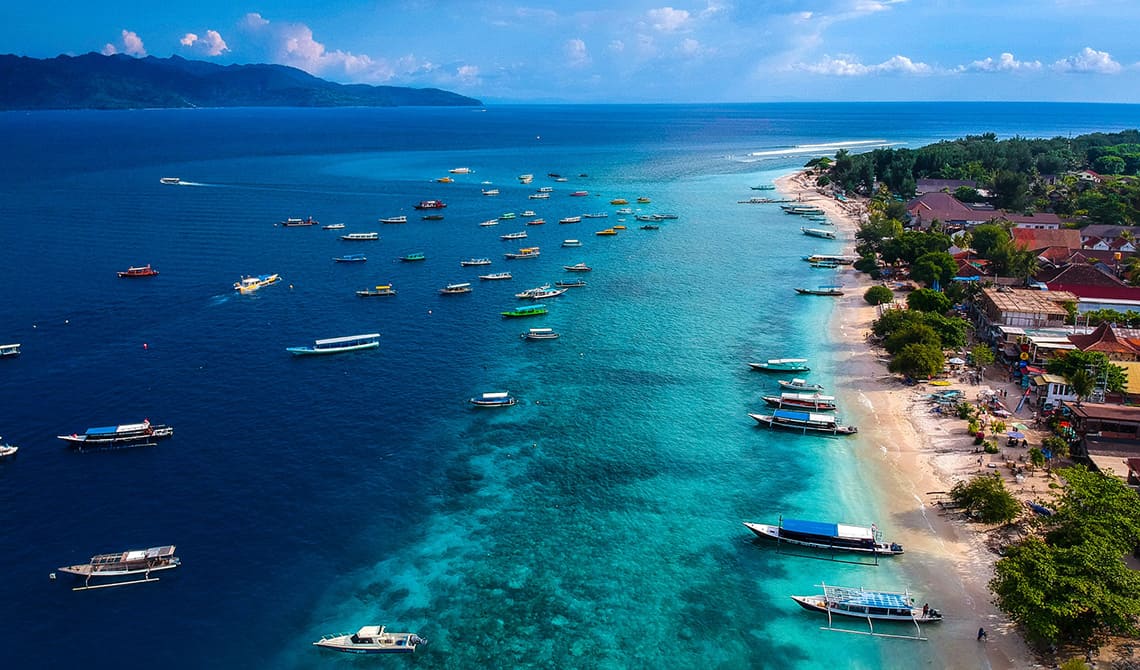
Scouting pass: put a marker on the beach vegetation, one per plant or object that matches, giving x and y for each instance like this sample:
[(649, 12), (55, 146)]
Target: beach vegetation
[(1095, 363), (869, 263), (918, 360), (934, 266), (1129, 319), (913, 333), (911, 245), (972, 425), (986, 499), (951, 330), (878, 295), (928, 300), (1057, 446), (990, 447), (982, 355), (966, 410), (1070, 583), (1037, 457)]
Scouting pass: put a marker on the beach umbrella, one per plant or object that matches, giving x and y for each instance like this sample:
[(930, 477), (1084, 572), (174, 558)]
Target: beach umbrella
[(1020, 426), (956, 361), (1016, 434)]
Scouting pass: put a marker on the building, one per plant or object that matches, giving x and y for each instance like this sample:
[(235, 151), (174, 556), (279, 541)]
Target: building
[(1050, 391), (1088, 282), (1107, 435), (1038, 221), (945, 208), (1048, 242), (924, 186), (1024, 308)]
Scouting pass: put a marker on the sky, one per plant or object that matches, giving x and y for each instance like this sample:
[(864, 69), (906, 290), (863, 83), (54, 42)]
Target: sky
[(633, 51)]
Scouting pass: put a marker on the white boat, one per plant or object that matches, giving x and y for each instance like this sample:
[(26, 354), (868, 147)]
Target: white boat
[(540, 292), (798, 384), (540, 334), (495, 276), (782, 365), (799, 400), (461, 170), (382, 289), (7, 350), (545, 189), (360, 237), (251, 283), (490, 191), (338, 345), (577, 267), (395, 219), (143, 434), (571, 243), (538, 196), (526, 178), (333, 226), (570, 219), (455, 289), (496, 399), (825, 535), (7, 450), (818, 232), (490, 222), (170, 180), (372, 640), (513, 236), (867, 604), (596, 215), (472, 262), (804, 421), (525, 252), (624, 211), (124, 564)]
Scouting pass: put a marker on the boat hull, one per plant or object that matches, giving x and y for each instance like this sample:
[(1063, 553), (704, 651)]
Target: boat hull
[(775, 534), (820, 605), (313, 351), (815, 427)]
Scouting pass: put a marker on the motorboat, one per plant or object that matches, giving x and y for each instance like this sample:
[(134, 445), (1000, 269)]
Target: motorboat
[(372, 640), (338, 345), (143, 271), (493, 399)]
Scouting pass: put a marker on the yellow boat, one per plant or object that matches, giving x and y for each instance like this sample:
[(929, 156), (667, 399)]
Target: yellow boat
[(619, 227), (607, 231), (619, 201), (445, 180), (643, 201)]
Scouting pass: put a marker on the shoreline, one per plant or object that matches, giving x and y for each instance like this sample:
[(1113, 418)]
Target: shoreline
[(915, 454)]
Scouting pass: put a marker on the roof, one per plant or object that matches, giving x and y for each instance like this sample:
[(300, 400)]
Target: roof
[(1104, 339), (1046, 218), (1041, 238), (941, 206), (1103, 230), (826, 529), (1087, 281), (1107, 412), (1027, 300), (934, 185), (1047, 378)]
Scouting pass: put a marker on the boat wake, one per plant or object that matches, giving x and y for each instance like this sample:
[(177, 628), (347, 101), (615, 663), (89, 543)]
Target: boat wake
[(821, 148)]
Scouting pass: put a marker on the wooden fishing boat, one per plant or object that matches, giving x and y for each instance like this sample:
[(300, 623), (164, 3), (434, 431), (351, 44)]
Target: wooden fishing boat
[(124, 567), (338, 345)]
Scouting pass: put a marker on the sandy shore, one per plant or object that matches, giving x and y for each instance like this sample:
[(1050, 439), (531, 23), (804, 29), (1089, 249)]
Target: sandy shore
[(916, 454)]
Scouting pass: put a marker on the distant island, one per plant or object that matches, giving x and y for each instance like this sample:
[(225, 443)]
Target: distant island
[(95, 81)]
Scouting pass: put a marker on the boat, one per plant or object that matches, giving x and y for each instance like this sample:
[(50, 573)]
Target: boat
[(382, 289), (495, 276), (606, 231), (529, 310), (571, 243), (619, 226), (9, 350), (577, 267), (526, 178), (395, 219), (513, 236), (570, 219), (561, 179), (540, 293), (413, 257), (123, 568), (538, 196), (782, 365), (619, 201), (7, 450), (821, 535), (507, 216), (536, 222), (496, 399), (455, 289), (624, 211), (831, 258), (866, 604), (338, 345), (360, 237), (170, 180), (430, 204), (444, 180), (825, 265), (799, 400), (529, 212), (573, 283), (144, 271), (545, 189), (333, 226), (643, 201), (297, 223), (797, 384), (596, 215), (818, 232), (540, 334), (490, 191), (432, 217), (822, 290), (525, 252), (461, 170), (764, 187), (579, 194), (125, 435), (472, 262), (350, 258), (652, 218), (250, 284), (490, 222), (805, 421), (651, 226)]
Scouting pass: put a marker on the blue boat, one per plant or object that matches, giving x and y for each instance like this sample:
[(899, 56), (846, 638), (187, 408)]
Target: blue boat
[(338, 345), (350, 258), (827, 535)]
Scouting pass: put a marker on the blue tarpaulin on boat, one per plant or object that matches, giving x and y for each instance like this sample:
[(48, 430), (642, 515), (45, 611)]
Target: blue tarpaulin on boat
[(791, 414), (812, 527)]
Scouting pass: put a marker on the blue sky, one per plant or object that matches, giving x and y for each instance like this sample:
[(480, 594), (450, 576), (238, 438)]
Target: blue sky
[(634, 50)]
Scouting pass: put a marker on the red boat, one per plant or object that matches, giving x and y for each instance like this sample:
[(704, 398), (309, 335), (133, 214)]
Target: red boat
[(431, 204), (144, 271), (579, 194)]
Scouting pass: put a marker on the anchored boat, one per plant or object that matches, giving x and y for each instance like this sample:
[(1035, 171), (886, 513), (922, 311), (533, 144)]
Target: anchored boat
[(338, 345), (540, 334), (382, 289), (529, 310), (782, 365), (824, 535), (142, 434), (496, 399), (372, 640), (124, 565), (804, 421), (144, 271)]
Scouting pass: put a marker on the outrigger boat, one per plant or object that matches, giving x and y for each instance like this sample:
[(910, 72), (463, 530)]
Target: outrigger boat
[(297, 223), (413, 257), (360, 237), (350, 258), (574, 283), (251, 284), (496, 399), (126, 435), (338, 345), (818, 232), (124, 564), (804, 421), (822, 535), (525, 252), (372, 640), (813, 401), (869, 605), (144, 271), (822, 290), (7, 450), (782, 365), (382, 289), (473, 262), (540, 334), (455, 289), (395, 219), (798, 384), (530, 310), (494, 276)]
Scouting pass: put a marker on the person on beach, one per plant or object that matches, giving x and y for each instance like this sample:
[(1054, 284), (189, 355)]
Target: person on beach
[(981, 634)]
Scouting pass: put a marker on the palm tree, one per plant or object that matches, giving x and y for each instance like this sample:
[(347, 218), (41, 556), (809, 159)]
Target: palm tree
[(1082, 382)]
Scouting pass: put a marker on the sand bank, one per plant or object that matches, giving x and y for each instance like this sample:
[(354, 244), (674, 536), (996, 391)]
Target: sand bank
[(915, 454)]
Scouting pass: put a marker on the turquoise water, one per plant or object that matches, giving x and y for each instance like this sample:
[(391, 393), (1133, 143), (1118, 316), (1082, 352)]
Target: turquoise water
[(597, 524)]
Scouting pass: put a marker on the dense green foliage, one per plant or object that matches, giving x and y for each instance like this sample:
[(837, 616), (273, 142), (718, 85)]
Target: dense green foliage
[(986, 498), (928, 300), (951, 330), (877, 295), (934, 266), (982, 355), (1094, 362), (1072, 585), (1129, 319), (918, 360), (911, 333)]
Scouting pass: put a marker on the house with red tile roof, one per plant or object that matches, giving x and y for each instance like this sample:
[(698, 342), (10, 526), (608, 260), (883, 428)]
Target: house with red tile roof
[(1106, 340), (1041, 239), (943, 207), (1045, 220), (1088, 282)]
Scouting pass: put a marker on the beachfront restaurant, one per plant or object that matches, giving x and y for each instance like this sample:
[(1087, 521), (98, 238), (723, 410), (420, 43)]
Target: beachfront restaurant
[(1020, 308)]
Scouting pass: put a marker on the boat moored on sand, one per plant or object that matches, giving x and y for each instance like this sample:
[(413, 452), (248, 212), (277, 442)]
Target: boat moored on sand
[(372, 640), (797, 384), (866, 604)]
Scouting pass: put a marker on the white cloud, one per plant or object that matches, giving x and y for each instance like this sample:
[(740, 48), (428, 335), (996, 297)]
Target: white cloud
[(875, 5), (210, 45), (1088, 61), (667, 19), (617, 46), (1004, 63), (293, 44), (109, 49), (131, 44), (848, 66), (690, 47), (576, 53), (468, 74)]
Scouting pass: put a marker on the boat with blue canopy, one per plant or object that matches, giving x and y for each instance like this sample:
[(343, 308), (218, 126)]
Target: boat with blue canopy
[(804, 421), (338, 345), (350, 258), (869, 605), (827, 535)]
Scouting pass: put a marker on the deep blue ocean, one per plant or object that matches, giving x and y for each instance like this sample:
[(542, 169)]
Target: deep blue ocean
[(596, 524)]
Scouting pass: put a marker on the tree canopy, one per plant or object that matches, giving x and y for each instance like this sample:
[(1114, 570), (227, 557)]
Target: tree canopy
[(1093, 361)]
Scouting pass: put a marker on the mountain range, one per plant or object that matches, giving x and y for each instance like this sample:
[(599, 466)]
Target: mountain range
[(95, 81)]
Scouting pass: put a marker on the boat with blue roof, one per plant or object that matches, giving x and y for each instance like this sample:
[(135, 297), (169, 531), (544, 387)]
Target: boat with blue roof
[(827, 535), (804, 421), (868, 604), (143, 434)]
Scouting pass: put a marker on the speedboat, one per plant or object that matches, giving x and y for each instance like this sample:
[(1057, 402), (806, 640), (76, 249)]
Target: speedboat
[(372, 640)]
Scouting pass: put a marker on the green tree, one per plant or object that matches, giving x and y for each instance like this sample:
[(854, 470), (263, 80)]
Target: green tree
[(1094, 361), (918, 360), (1081, 382), (987, 237), (878, 295), (1109, 165), (928, 300), (915, 333), (1009, 190), (986, 498), (934, 266), (1095, 507), (982, 355)]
